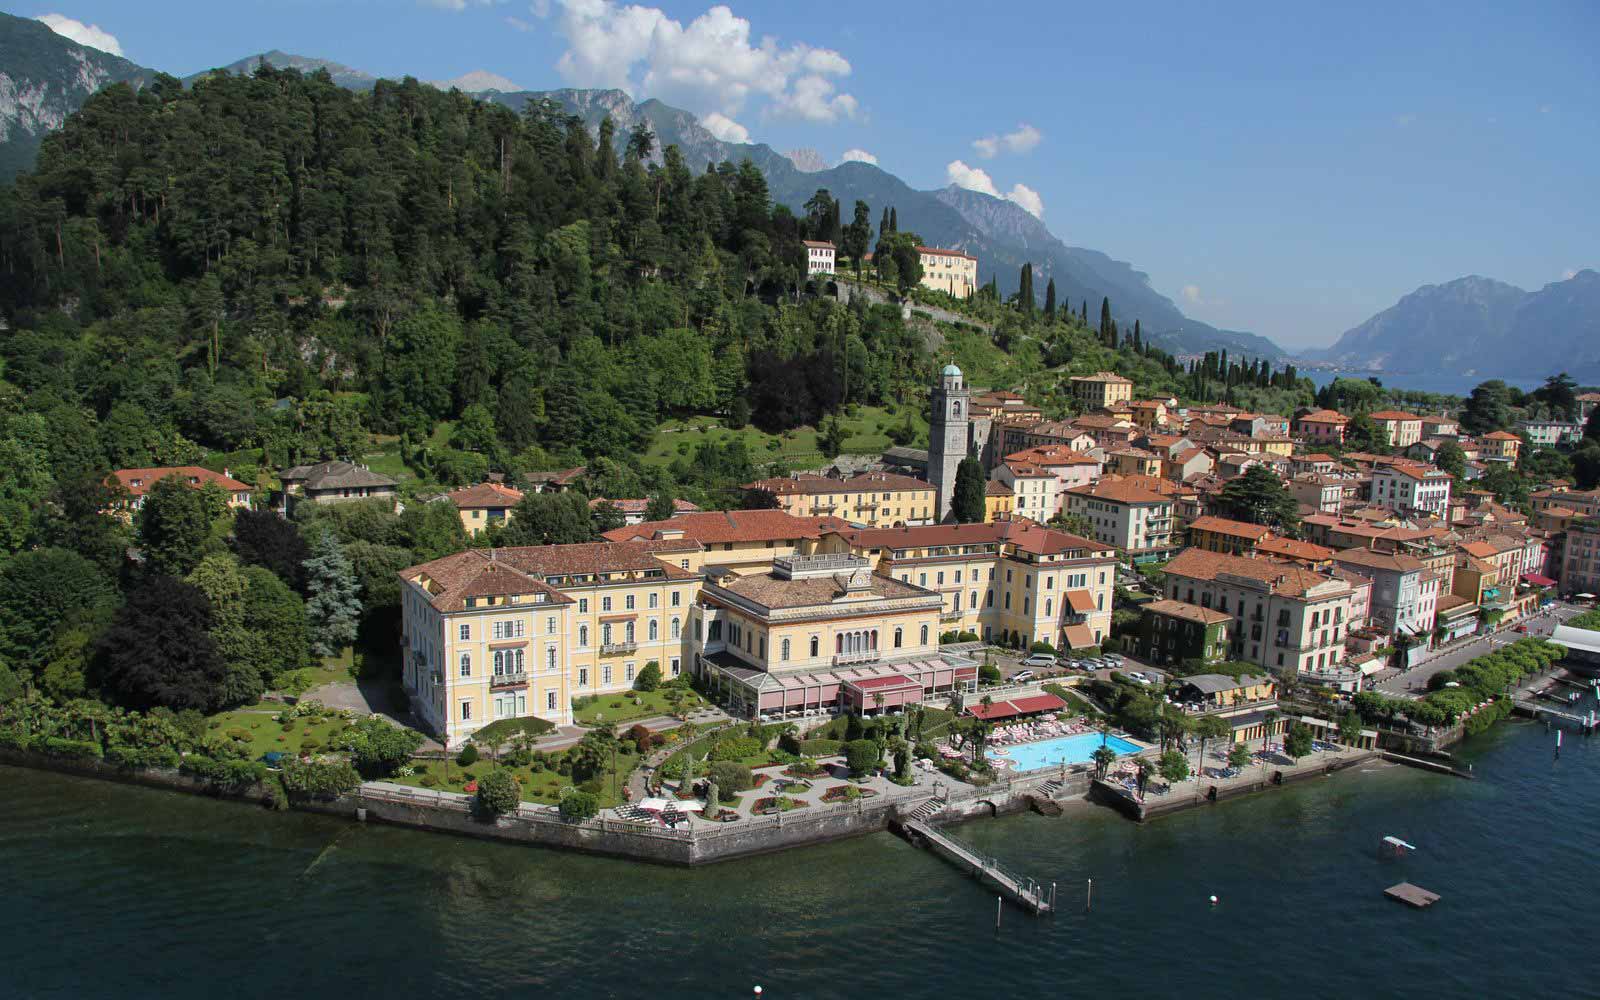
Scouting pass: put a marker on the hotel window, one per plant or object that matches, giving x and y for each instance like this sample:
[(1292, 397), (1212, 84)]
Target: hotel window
[(465, 633), (899, 637), (783, 650), (677, 666), (583, 636), (924, 635), (677, 628), (605, 673), (628, 631), (550, 658), (815, 645), (583, 676), (549, 626), (676, 598), (605, 634), (583, 605), (605, 604), (627, 671), (466, 665), (654, 628), (466, 711), (550, 701), (655, 600), (1047, 606), (627, 602)]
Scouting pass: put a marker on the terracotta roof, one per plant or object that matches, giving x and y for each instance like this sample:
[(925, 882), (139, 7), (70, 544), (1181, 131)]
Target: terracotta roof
[(1224, 526), (1293, 548), (995, 488), (1186, 611), (1118, 492), (811, 485), (1483, 550), (1023, 470), (560, 477), (1501, 436), (1393, 415), (946, 253), (1285, 579), (1188, 455), (1395, 562), (820, 245), (192, 475), (638, 505), (495, 572), (485, 495), (1111, 377), (1023, 534), (1051, 454), (1325, 417), (722, 526), (1451, 602)]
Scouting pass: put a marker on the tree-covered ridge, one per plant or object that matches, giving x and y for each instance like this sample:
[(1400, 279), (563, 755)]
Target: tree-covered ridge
[(417, 256)]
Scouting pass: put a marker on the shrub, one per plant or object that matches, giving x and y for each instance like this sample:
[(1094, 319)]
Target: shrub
[(579, 806), (468, 756), (643, 738), (736, 748), (235, 733), (989, 673), (377, 747), (227, 773), (321, 780), (863, 756), (310, 746), (731, 777), (820, 748), (498, 793), (71, 748), (428, 780), (1042, 647), (594, 786), (649, 678)]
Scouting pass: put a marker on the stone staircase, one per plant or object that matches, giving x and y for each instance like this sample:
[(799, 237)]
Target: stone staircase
[(926, 809)]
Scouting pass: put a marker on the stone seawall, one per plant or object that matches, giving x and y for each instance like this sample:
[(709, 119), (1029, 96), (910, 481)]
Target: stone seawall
[(165, 778), (1212, 792)]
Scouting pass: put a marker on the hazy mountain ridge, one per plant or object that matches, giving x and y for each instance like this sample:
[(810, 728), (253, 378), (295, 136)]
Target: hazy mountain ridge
[(1475, 325), (44, 77)]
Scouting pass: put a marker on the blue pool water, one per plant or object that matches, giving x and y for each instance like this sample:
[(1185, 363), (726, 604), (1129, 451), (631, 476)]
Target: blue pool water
[(1077, 749)]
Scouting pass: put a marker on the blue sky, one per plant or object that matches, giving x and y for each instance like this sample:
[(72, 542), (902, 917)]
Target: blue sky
[(1283, 168)]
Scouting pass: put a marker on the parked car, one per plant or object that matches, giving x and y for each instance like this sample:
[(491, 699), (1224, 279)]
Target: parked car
[(1114, 658), (1022, 675), (1039, 660)]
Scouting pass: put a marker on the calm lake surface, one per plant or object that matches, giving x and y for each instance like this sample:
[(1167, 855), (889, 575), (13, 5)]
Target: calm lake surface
[(112, 891)]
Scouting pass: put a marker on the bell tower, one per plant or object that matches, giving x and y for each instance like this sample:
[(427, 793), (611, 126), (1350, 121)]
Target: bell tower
[(949, 432)]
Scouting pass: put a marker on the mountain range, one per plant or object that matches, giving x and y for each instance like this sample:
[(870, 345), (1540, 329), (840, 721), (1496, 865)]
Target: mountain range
[(1476, 325), (1468, 325)]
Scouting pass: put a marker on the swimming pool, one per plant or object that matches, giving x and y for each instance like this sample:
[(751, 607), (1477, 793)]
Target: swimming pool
[(1077, 749)]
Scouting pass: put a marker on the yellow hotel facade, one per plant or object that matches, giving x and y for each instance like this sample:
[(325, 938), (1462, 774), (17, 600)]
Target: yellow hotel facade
[(949, 271)]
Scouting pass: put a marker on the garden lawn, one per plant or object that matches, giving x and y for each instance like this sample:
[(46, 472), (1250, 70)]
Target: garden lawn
[(866, 432), (538, 784), (627, 706), (265, 733)]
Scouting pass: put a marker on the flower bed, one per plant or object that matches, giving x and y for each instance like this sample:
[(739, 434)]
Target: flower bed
[(758, 778), (770, 806), (801, 771), (795, 786), (847, 793), (723, 816)]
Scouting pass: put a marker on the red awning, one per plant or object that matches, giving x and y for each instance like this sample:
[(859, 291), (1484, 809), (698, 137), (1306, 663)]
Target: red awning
[(1537, 580), (1078, 636), (998, 710), (1038, 703)]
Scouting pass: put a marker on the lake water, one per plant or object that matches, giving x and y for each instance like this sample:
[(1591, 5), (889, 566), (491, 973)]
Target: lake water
[(111, 891)]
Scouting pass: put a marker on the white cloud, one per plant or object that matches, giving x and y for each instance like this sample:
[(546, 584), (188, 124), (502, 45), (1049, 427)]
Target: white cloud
[(518, 24), (1022, 140), (858, 156), (1028, 198), (708, 65), (91, 35), (458, 5), (725, 128), (977, 179), (971, 178)]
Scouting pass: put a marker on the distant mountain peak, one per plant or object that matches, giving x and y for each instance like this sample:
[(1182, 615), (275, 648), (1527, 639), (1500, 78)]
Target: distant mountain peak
[(807, 161), (477, 82), (344, 76)]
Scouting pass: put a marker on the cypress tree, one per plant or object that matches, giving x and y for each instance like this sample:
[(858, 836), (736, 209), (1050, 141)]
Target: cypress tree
[(967, 502), (1105, 320), (883, 225), (1085, 315), (1050, 302), (894, 220), (1025, 288)]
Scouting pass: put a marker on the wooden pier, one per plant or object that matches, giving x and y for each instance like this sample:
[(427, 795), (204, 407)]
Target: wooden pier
[(1535, 709), (1414, 896), (1025, 892)]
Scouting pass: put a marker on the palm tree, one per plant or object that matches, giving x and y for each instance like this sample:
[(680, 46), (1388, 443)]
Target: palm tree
[(1103, 757)]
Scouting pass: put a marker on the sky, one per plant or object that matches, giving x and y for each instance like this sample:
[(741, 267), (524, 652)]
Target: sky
[(1284, 168)]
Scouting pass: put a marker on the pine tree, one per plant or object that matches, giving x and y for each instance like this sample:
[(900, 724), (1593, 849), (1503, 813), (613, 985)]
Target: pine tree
[(1050, 301), (334, 604), (967, 501)]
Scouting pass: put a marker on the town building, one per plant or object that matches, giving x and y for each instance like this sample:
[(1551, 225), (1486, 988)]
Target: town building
[(137, 482), (485, 506), (1034, 491), (1440, 426), (1133, 462), (333, 482), (1501, 446), (1412, 487), (633, 509), (819, 257), (1175, 632), (1322, 427), (1220, 534), (1012, 582), (1004, 405), (999, 501), (1287, 616), (1134, 519), (1101, 390), (1404, 592), (1580, 559), (1552, 433), (820, 634), (949, 271), (1071, 468), (556, 481), (876, 499), (494, 634), (1400, 428)]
